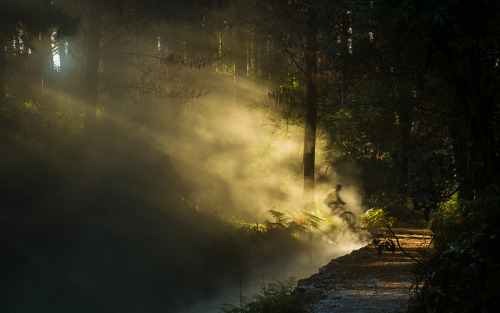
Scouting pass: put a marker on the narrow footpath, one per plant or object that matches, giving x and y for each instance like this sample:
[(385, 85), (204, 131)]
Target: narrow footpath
[(367, 279)]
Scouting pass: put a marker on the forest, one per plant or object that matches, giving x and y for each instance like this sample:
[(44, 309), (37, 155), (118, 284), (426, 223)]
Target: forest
[(154, 151)]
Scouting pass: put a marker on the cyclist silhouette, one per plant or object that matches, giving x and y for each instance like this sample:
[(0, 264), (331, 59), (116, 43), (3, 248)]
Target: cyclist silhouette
[(332, 199), (335, 203)]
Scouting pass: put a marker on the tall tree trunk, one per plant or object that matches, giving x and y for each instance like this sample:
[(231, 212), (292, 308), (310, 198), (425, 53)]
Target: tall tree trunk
[(3, 68), (476, 96), (463, 170), (93, 43), (311, 113), (240, 52), (46, 62), (240, 58), (62, 55), (405, 137)]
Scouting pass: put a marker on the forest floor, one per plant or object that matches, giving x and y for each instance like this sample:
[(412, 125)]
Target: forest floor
[(363, 281)]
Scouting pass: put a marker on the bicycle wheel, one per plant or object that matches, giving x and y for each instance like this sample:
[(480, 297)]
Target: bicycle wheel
[(349, 218)]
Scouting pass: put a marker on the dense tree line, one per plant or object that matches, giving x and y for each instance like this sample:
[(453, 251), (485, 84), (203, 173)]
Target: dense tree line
[(405, 90)]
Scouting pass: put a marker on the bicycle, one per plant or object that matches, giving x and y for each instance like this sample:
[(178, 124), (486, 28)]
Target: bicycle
[(343, 213)]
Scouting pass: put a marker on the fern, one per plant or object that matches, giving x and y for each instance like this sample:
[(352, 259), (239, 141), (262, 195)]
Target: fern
[(273, 298), (279, 217), (313, 221), (377, 217)]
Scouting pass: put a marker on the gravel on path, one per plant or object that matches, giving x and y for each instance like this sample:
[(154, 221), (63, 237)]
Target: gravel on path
[(365, 280)]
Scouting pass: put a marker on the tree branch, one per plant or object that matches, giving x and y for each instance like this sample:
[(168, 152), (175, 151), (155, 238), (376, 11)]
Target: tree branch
[(406, 253)]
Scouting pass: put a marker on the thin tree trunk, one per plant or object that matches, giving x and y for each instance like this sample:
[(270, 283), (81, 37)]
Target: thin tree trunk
[(240, 58), (310, 141), (311, 113), (405, 133), (3, 67), (240, 52), (93, 43), (47, 62), (62, 56)]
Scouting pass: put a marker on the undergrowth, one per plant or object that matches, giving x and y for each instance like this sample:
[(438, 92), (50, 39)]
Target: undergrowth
[(388, 209), (377, 217), (273, 298), (462, 272)]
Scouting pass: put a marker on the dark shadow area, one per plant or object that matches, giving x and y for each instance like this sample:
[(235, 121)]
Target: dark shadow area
[(96, 222)]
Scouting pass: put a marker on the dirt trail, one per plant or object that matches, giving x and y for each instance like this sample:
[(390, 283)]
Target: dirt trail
[(364, 282)]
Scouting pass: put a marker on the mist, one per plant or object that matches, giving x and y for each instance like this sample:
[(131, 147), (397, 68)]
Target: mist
[(240, 161), (160, 205), (144, 214)]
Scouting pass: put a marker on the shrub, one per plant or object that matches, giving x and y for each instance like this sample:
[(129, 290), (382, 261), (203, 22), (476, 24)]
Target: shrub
[(377, 217), (462, 273), (273, 298)]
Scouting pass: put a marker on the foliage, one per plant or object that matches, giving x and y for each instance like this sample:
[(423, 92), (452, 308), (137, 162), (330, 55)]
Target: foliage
[(377, 217), (273, 298), (460, 39), (245, 246), (433, 174), (462, 47), (312, 220), (462, 274), (305, 221), (78, 204), (34, 17), (386, 244), (447, 211), (393, 207)]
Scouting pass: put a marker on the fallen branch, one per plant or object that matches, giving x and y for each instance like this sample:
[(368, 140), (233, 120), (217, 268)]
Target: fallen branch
[(406, 253)]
